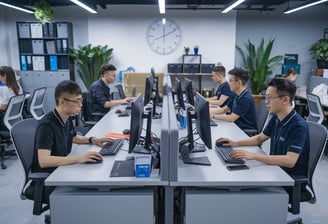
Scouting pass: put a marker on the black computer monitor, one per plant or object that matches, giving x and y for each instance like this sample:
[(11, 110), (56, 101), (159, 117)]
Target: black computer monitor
[(189, 91), (187, 145), (139, 143), (179, 94), (149, 86)]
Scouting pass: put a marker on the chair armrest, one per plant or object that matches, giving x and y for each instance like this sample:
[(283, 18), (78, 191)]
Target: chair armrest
[(38, 176), (295, 196)]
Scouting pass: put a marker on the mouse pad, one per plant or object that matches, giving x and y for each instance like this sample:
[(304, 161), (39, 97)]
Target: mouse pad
[(123, 168)]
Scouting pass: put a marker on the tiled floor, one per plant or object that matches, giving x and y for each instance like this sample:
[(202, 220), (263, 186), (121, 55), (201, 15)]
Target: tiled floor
[(16, 211)]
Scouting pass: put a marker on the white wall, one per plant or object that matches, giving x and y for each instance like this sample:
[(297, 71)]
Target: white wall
[(126, 33), (293, 33)]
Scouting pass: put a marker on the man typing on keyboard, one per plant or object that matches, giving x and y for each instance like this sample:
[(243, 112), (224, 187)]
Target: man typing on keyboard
[(289, 132)]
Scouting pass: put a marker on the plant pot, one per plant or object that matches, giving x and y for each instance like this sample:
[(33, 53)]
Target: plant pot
[(322, 63), (186, 52), (257, 100)]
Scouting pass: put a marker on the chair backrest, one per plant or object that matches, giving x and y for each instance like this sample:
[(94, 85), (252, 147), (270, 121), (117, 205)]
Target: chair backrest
[(36, 103), (14, 110), (318, 139), (22, 134), (120, 91), (315, 109), (261, 115)]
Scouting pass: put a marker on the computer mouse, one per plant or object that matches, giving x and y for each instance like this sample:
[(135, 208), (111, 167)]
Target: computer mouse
[(129, 158), (98, 160), (126, 131), (221, 143), (118, 111)]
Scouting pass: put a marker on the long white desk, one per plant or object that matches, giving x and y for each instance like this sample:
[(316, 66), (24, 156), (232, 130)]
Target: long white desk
[(213, 194), (87, 193)]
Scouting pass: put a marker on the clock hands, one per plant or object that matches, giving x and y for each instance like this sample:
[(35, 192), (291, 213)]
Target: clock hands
[(165, 34)]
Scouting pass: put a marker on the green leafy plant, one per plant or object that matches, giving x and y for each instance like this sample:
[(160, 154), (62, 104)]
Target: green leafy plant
[(319, 51), (43, 12), (259, 64), (89, 59)]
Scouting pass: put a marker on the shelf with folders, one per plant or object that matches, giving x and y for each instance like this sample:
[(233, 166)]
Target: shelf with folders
[(44, 47)]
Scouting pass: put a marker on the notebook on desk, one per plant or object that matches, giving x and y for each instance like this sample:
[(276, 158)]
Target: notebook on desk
[(123, 168)]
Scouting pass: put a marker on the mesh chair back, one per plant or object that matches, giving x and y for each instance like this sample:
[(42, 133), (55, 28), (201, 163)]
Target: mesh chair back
[(14, 110), (318, 139), (36, 105), (315, 109), (22, 134)]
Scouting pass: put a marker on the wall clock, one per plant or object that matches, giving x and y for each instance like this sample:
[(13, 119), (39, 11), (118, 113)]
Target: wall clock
[(162, 38)]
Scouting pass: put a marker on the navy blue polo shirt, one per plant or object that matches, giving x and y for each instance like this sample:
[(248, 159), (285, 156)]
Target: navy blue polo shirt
[(98, 94), (244, 106), (224, 89), (55, 135), (290, 135)]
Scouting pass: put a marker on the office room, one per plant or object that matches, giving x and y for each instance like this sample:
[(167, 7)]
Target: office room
[(124, 28)]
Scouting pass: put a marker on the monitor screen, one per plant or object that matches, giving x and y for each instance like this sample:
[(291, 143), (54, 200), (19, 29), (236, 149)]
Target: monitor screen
[(189, 91), (136, 122), (203, 129), (179, 94), (149, 88)]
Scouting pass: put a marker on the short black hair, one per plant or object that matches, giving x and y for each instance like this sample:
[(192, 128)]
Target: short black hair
[(68, 87), (107, 67), (284, 87), (220, 69), (240, 74)]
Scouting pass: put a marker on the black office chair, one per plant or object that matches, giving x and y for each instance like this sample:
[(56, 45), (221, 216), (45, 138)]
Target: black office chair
[(36, 103), (22, 134), (303, 190), (12, 115), (262, 114)]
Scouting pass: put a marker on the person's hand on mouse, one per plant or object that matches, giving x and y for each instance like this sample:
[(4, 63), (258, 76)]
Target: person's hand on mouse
[(90, 156), (226, 141), (101, 141)]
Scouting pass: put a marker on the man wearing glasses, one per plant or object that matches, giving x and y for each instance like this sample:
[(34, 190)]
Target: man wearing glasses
[(241, 106), (289, 132), (55, 133)]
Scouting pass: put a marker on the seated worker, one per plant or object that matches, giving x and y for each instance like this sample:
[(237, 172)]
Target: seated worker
[(289, 132), (99, 97), (291, 75), (223, 92), (241, 105), (56, 133), (10, 88)]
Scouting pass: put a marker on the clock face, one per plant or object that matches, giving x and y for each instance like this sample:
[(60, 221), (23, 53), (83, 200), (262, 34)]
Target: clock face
[(164, 38)]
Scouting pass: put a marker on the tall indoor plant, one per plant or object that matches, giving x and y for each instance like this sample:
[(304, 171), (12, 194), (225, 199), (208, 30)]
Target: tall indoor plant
[(319, 51), (89, 60), (259, 63)]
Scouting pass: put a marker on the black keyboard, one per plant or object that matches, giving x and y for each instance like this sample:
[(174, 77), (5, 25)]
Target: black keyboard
[(224, 153), (111, 148), (124, 113)]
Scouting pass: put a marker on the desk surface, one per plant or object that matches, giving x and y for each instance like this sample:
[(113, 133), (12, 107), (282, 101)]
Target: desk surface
[(259, 174), (98, 174)]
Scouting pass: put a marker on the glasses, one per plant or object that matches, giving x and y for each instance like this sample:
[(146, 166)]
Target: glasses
[(77, 101), (270, 98)]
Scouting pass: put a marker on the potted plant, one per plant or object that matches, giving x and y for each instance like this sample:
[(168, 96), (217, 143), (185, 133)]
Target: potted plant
[(89, 59), (319, 51), (43, 12), (186, 49), (259, 63)]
